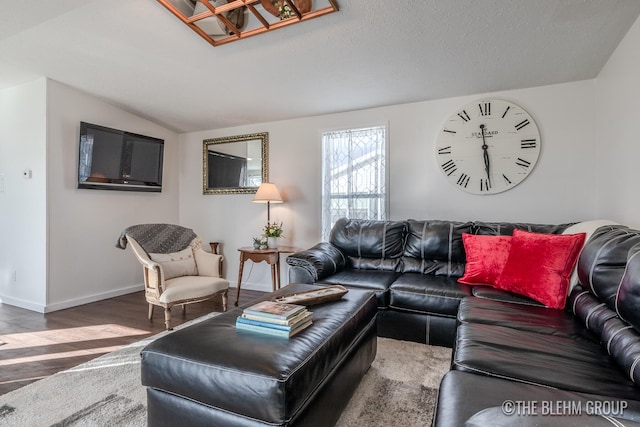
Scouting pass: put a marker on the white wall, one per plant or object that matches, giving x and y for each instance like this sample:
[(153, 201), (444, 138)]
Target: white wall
[(60, 240), (560, 189), (23, 209), (618, 139), (84, 225)]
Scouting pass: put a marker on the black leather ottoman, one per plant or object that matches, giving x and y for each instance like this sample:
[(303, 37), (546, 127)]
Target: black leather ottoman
[(210, 374)]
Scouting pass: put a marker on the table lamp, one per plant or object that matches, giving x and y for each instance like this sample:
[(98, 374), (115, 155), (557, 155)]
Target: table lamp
[(267, 193)]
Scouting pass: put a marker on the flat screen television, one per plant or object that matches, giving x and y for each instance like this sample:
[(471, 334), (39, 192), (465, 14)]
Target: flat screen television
[(112, 159)]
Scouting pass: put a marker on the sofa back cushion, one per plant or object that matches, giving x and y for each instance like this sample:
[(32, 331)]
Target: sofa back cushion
[(506, 228), (603, 261), (435, 247), (370, 244), (628, 296)]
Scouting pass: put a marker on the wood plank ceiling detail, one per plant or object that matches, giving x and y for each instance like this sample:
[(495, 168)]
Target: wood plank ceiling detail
[(286, 13)]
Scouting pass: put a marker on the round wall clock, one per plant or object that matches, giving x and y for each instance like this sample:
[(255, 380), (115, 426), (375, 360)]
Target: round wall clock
[(488, 146)]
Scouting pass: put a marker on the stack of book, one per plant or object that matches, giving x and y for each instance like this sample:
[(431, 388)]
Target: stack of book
[(274, 318)]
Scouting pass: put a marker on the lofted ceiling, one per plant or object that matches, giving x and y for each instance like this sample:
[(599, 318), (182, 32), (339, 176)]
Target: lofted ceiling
[(136, 55)]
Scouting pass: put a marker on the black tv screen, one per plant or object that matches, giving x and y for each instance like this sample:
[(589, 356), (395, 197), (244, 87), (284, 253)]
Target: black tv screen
[(112, 159)]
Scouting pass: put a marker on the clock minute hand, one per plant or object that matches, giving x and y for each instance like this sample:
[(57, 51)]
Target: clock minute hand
[(485, 148)]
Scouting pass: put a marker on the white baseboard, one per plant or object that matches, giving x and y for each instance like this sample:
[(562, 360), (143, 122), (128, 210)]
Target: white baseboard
[(27, 305), (48, 308), (92, 298)]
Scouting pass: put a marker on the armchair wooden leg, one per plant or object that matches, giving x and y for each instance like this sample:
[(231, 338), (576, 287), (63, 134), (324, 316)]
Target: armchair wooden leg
[(167, 318), (224, 300), (150, 311)]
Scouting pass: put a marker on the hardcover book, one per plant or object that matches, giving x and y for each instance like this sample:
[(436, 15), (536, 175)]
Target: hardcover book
[(272, 331), (274, 310), (293, 321)]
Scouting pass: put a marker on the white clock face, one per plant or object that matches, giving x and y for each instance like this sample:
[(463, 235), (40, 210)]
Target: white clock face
[(488, 146)]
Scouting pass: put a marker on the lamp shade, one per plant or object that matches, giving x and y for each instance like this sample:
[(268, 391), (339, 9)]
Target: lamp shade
[(267, 193)]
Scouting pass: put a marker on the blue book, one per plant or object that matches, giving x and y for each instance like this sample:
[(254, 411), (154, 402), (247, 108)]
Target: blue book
[(271, 331), (263, 324), (292, 321)]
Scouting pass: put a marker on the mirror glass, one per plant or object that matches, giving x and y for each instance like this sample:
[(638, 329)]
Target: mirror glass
[(235, 164)]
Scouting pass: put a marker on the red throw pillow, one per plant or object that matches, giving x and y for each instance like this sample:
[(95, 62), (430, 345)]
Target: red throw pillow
[(486, 258), (539, 266)]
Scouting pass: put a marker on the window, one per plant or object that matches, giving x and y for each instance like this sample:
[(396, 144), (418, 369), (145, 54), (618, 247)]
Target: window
[(353, 175)]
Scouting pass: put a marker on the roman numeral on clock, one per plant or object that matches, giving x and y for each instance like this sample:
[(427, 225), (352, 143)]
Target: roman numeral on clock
[(485, 185), (528, 143), (522, 124), (449, 167), (449, 131), (505, 112), (523, 163), (444, 150), (485, 109), (464, 116), (506, 180), (463, 181)]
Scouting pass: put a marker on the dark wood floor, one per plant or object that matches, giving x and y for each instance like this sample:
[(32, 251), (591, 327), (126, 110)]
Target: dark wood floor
[(38, 345)]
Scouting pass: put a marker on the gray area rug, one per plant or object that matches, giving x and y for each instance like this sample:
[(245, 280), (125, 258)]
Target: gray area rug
[(400, 389)]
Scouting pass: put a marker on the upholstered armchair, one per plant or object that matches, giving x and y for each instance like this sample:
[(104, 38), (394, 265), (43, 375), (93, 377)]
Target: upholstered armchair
[(175, 276)]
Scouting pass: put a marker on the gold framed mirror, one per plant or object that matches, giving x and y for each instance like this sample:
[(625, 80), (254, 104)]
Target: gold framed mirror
[(235, 164)]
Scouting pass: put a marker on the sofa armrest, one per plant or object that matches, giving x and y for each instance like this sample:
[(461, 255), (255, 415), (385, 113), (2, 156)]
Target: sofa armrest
[(315, 264)]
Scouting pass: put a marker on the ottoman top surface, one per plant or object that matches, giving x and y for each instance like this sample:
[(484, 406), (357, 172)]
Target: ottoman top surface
[(269, 377)]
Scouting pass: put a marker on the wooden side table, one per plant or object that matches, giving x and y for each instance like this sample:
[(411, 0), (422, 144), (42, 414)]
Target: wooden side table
[(271, 256)]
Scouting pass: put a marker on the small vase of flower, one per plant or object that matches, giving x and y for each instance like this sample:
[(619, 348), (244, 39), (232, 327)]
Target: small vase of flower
[(273, 232)]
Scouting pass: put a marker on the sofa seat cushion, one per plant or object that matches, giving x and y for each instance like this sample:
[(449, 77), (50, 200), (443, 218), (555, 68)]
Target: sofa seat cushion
[(462, 395), (576, 364), (429, 294), (487, 292), (522, 317), (373, 280)]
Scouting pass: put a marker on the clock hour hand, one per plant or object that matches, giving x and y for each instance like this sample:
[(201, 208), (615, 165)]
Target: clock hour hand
[(485, 147)]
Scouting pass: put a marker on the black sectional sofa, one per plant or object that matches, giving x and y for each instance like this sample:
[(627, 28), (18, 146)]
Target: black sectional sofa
[(412, 266), (515, 362)]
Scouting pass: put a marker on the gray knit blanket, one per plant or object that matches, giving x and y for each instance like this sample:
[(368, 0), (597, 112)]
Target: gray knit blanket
[(157, 238)]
